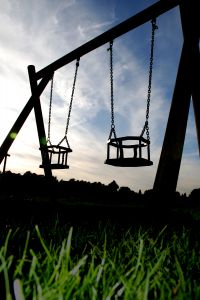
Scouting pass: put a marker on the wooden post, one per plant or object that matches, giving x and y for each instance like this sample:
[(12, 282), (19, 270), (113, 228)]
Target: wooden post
[(191, 31), (170, 159), (4, 164), (39, 121), (22, 118)]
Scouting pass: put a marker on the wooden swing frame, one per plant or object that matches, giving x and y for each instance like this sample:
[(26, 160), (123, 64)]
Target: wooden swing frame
[(186, 86), (57, 156), (120, 158)]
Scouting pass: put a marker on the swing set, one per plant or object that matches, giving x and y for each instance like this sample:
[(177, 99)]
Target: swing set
[(136, 143), (58, 154), (54, 156)]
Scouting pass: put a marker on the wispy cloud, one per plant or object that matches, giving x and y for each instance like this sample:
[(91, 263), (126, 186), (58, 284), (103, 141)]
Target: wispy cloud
[(38, 33)]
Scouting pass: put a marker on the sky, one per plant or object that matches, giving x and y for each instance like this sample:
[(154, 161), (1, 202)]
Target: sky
[(38, 32)]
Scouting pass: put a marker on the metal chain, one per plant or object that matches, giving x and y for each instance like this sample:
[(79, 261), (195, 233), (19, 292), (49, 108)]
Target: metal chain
[(146, 125), (112, 131), (71, 101), (50, 108)]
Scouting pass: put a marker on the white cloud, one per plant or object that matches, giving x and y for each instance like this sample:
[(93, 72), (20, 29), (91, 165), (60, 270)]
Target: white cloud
[(39, 32)]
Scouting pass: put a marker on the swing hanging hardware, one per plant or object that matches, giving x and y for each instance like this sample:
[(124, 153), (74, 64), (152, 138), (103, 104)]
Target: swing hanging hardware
[(134, 143), (58, 154), (112, 129)]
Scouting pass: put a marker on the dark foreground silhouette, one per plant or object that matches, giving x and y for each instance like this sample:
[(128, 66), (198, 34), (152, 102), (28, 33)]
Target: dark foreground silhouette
[(32, 197)]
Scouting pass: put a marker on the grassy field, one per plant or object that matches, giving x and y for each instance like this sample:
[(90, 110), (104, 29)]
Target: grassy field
[(102, 260)]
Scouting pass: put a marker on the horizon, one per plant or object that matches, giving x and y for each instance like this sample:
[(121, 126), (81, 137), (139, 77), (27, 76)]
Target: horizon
[(40, 33)]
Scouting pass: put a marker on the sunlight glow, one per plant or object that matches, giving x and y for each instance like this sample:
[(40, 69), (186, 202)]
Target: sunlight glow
[(13, 135)]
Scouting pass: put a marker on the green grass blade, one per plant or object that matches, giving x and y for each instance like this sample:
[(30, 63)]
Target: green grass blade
[(18, 290), (42, 242)]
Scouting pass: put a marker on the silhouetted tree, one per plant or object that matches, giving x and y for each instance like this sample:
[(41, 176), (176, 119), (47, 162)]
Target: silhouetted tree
[(113, 186)]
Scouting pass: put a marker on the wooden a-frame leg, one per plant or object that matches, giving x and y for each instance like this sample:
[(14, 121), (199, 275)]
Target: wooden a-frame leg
[(39, 122), (185, 87)]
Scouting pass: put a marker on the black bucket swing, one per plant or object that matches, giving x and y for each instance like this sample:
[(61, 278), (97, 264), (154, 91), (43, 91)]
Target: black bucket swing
[(58, 154), (117, 146)]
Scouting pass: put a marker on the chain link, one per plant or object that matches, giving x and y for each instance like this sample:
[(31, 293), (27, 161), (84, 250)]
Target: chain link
[(112, 131), (70, 105), (50, 108), (146, 125)]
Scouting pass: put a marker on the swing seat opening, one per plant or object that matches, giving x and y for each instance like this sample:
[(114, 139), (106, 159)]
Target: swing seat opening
[(133, 145), (57, 156)]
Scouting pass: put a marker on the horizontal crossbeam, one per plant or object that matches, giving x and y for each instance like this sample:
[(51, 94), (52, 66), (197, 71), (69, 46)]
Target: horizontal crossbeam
[(135, 21)]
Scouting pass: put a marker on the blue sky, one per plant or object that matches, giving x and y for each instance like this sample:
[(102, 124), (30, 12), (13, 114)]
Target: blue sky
[(38, 32)]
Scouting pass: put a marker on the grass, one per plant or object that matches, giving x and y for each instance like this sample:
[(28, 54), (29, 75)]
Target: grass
[(100, 261)]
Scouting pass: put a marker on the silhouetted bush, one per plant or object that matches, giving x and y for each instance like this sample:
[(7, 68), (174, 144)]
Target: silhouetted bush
[(38, 195)]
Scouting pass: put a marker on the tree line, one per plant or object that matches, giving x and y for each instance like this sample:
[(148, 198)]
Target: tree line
[(30, 186)]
